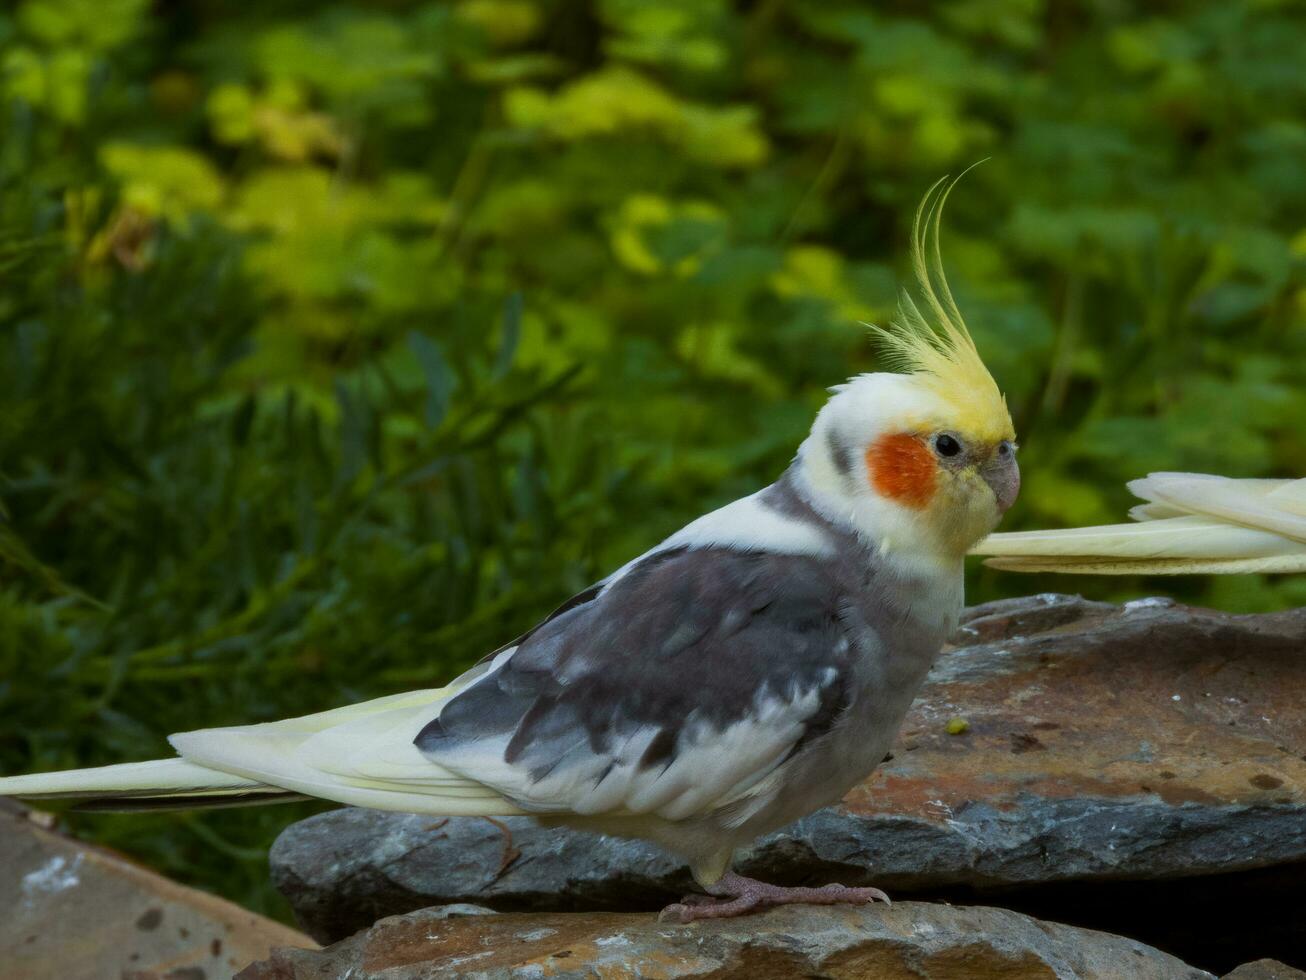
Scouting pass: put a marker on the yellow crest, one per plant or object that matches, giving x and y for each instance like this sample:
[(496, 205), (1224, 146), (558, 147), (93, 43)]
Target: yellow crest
[(942, 356)]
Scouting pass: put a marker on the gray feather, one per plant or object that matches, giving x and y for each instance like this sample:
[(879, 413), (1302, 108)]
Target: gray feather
[(690, 635)]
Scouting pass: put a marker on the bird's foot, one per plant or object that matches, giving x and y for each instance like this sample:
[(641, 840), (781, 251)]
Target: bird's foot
[(736, 895)]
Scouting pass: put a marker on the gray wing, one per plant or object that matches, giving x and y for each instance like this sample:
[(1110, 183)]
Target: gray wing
[(674, 690)]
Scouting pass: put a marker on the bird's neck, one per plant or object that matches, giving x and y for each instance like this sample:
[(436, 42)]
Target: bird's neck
[(922, 587), (897, 534)]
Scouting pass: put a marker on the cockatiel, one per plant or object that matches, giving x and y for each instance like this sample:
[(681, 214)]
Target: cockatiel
[(1191, 523), (748, 670)]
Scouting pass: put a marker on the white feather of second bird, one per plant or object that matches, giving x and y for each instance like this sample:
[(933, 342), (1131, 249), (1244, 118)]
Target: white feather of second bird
[(1190, 523)]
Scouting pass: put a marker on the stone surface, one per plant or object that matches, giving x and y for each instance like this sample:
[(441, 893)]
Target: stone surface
[(68, 910), (1103, 744), (910, 941), (1265, 970)]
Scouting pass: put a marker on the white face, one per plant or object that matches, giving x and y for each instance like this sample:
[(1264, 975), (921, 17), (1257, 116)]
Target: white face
[(888, 456)]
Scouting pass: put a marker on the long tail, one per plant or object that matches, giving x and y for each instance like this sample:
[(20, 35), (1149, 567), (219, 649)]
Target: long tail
[(362, 754), (1191, 523), (162, 784)]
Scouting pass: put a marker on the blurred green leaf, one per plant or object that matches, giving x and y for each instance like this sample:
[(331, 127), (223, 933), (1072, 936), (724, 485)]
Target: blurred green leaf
[(510, 336)]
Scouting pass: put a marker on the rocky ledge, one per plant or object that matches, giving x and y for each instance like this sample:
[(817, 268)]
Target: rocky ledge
[(909, 941), (1139, 768), (70, 911)]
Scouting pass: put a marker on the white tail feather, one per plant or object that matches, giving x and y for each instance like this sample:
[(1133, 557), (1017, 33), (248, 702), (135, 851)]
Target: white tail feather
[(160, 777), (362, 755)]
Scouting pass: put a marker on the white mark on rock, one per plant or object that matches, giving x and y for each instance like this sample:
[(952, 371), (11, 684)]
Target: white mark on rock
[(56, 875), (943, 808), (536, 934), (1176, 697), (1151, 602), (460, 960)]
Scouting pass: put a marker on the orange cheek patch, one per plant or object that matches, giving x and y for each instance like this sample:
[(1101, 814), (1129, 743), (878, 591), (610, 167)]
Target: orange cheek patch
[(902, 468)]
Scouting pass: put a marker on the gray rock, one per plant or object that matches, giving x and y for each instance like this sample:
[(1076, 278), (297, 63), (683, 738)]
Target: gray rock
[(344, 869), (909, 941), (1102, 743)]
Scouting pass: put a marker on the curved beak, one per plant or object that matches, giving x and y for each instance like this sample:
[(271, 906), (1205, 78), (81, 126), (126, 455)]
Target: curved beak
[(1002, 473)]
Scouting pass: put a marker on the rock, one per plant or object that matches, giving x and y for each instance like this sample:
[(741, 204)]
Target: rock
[(342, 872), (1265, 970), (1103, 744), (71, 910), (909, 941)]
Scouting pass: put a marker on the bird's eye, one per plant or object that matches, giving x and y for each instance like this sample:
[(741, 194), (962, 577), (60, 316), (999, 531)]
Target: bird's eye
[(1004, 449), (946, 445)]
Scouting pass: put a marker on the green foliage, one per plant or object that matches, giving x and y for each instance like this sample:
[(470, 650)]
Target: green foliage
[(337, 345)]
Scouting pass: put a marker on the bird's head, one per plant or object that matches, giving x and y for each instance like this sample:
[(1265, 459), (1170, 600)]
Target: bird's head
[(922, 461)]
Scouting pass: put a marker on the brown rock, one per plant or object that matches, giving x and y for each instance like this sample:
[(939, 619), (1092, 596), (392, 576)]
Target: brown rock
[(1265, 970), (908, 941), (1149, 704), (69, 910)]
